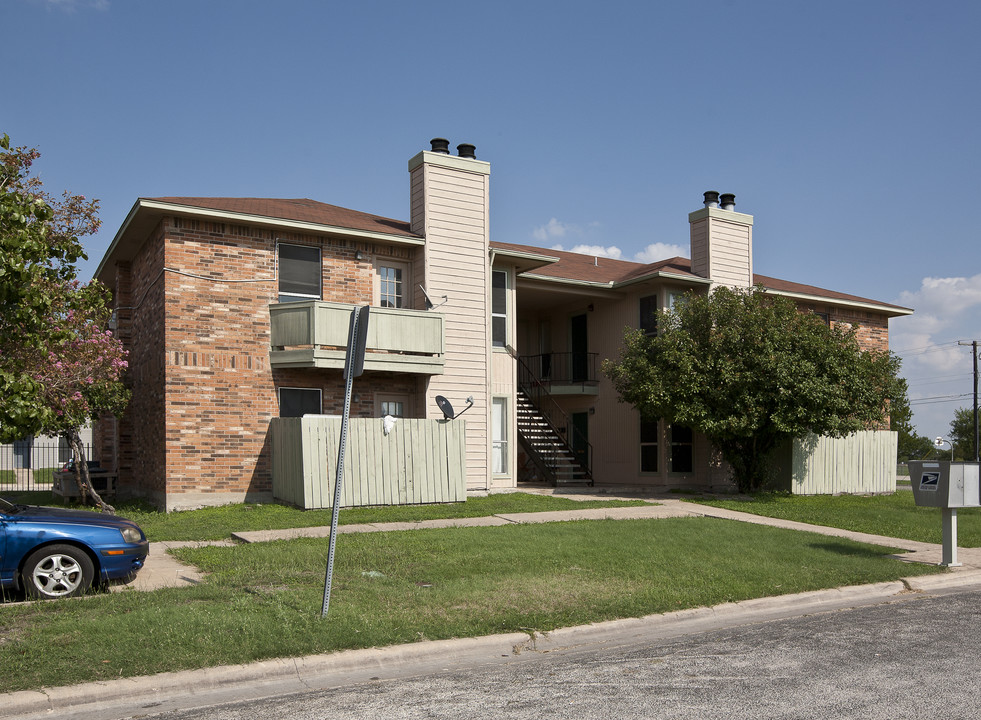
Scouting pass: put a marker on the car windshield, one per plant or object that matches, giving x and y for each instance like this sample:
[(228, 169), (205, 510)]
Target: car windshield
[(7, 506)]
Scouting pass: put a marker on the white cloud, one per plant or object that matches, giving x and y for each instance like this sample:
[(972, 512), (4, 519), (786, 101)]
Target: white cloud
[(552, 229), (660, 251), (595, 250), (940, 372)]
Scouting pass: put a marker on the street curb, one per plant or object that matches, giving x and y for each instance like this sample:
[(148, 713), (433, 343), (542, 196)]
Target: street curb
[(316, 671), (152, 688)]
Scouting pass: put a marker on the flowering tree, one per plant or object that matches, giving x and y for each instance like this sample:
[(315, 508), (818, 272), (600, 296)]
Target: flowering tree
[(59, 366)]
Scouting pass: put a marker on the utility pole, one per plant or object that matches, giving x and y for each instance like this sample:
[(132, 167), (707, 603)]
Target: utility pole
[(974, 353)]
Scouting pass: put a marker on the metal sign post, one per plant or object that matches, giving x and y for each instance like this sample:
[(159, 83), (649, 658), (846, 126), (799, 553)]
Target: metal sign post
[(353, 367)]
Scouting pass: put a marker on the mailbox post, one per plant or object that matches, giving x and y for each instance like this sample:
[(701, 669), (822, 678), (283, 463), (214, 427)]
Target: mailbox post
[(948, 486)]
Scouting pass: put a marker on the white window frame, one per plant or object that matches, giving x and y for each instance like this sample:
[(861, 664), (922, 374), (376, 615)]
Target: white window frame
[(383, 399), (406, 270), (498, 315), (500, 432)]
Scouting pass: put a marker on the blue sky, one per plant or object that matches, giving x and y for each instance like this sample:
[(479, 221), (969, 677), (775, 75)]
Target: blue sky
[(849, 130)]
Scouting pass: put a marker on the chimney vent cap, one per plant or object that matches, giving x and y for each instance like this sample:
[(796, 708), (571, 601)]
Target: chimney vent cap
[(466, 150), (711, 199), (728, 201), (440, 145)]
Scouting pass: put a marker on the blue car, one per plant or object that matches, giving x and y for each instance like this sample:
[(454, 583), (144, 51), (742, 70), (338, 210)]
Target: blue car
[(55, 553)]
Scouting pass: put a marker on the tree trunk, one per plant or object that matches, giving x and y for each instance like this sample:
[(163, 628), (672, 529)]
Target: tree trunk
[(82, 478)]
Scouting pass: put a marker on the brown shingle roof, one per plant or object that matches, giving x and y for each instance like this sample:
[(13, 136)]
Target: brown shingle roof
[(587, 268), (590, 268), (298, 209)]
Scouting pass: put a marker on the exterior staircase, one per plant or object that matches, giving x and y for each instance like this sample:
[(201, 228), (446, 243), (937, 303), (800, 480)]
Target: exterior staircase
[(550, 459), (557, 453)]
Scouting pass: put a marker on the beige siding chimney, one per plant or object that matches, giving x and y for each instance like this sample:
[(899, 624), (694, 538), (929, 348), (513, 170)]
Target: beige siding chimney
[(449, 207), (722, 242)]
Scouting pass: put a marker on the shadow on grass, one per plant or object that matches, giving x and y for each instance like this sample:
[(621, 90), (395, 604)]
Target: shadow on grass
[(846, 549)]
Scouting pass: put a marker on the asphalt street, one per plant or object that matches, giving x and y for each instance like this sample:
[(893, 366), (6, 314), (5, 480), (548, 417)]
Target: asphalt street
[(913, 655)]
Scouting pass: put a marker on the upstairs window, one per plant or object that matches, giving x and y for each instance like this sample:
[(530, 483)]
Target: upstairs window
[(648, 315), (391, 286), (499, 308), (299, 272)]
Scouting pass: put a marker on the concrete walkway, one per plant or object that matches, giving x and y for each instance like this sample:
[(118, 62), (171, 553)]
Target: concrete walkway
[(129, 697), (163, 570)]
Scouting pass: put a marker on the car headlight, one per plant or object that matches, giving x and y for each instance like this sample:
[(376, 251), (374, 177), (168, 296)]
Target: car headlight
[(131, 534)]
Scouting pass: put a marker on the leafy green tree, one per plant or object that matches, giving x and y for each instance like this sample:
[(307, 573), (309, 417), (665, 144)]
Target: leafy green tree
[(962, 433), (750, 371), (59, 366)]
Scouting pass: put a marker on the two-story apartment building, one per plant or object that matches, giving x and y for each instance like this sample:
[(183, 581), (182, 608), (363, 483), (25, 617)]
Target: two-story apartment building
[(235, 311)]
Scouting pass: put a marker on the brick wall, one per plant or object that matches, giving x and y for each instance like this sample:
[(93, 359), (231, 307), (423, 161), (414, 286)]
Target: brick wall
[(198, 334), (872, 329)]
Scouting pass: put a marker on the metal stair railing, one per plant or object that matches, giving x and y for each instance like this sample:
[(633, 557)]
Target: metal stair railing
[(563, 368), (573, 443)]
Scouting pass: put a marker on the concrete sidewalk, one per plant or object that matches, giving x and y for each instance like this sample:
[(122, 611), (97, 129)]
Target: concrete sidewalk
[(163, 570)]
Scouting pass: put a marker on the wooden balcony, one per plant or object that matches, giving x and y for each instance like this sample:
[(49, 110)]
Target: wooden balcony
[(313, 334)]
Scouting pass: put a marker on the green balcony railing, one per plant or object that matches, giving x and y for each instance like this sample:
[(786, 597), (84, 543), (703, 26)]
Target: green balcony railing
[(313, 334)]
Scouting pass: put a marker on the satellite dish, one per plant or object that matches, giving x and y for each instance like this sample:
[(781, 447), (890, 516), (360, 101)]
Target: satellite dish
[(445, 406), (429, 301)]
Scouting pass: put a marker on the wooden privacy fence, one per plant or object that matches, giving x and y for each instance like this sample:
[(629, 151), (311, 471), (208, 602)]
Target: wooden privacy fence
[(863, 462), (417, 462)]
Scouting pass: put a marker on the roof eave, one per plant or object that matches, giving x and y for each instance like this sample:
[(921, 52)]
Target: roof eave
[(147, 207), (890, 310), (569, 281), (523, 261), (280, 222), (661, 275)]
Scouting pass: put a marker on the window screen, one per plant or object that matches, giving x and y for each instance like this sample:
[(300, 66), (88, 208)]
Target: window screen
[(299, 272), (297, 402)]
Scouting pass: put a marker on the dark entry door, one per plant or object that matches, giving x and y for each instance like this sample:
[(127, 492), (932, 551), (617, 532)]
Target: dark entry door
[(580, 437), (579, 344)]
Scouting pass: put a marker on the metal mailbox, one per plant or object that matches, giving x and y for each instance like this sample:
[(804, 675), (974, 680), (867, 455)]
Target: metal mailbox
[(945, 484)]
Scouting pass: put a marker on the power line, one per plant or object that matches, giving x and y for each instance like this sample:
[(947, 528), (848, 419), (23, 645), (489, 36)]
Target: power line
[(927, 349), (942, 379), (939, 399)]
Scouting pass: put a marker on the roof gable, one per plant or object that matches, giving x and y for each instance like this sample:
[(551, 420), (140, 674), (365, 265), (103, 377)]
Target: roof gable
[(297, 210)]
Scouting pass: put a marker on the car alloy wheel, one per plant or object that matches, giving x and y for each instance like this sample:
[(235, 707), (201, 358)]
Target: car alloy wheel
[(57, 571)]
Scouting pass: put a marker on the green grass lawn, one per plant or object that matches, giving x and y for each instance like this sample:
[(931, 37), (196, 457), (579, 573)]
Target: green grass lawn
[(263, 600), (41, 476), (218, 523), (893, 515)]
